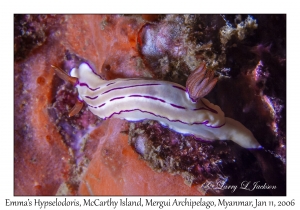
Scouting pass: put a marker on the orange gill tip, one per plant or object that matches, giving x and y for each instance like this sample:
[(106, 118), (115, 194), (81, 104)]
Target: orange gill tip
[(64, 76), (200, 82)]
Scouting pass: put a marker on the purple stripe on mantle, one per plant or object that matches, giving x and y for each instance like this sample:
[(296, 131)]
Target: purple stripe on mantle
[(135, 96), (119, 88), (92, 98), (195, 123), (84, 84), (149, 97), (101, 105), (154, 98), (116, 98), (92, 106), (179, 107), (180, 88), (110, 83)]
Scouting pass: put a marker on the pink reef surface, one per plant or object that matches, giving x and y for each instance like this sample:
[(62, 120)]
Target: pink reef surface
[(83, 155)]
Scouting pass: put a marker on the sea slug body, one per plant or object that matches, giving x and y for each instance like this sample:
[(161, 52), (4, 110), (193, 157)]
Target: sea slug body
[(183, 110)]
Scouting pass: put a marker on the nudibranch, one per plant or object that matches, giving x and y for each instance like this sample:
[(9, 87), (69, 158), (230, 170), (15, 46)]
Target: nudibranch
[(181, 109)]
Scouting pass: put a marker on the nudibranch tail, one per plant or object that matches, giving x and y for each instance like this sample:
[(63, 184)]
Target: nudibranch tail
[(64, 76), (200, 83), (238, 133)]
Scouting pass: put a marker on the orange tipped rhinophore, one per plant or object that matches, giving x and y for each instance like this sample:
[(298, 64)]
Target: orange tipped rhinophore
[(76, 108), (63, 75)]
